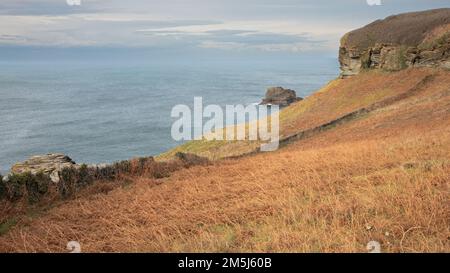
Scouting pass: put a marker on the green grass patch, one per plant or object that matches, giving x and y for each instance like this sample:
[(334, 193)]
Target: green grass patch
[(7, 225)]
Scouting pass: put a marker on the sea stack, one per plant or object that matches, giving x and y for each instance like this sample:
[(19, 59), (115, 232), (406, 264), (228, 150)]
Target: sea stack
[(280, 96)]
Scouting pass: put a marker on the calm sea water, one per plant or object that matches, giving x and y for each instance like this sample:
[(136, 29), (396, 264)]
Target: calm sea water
[(102, 112)]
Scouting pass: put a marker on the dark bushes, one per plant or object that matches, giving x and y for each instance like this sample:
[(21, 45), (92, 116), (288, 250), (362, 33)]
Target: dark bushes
[(85, 176), (73, 179), (25, 185), (37, 186), (2, 188), (67, 183), (15, 186)]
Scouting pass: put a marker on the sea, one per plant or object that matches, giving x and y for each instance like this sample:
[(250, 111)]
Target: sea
[(103, 110)]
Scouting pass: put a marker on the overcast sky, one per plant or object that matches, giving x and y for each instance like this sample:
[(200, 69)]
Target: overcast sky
[(260, 25)]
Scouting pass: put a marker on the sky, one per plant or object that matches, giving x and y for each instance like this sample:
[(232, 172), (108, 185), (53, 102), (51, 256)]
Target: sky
[(224, 25)]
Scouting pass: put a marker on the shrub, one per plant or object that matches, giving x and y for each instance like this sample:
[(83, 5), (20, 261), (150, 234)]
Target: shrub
[(68, 181), (160, 170), (26, 185), (73, 179), (16, 186), (123, 167), (36, 186), (401, 57), (2, 188), (142, 165), (106, 173), (365, 60), (85, 177)]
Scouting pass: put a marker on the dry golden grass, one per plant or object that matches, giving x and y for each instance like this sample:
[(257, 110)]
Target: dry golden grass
[(383, 177), (336, 99)]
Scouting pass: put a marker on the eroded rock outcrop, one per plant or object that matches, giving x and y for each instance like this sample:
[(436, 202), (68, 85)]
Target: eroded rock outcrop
[(49, 164), (46, 175), (280, 96), (418, 39)]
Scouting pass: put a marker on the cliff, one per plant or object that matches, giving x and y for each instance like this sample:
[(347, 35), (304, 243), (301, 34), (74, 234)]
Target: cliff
[(418, 39)]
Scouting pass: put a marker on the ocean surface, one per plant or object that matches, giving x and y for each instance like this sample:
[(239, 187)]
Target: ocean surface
[(100, 112)]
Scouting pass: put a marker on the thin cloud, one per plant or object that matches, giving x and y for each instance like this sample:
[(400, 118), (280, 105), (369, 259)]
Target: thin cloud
[(267, 25)]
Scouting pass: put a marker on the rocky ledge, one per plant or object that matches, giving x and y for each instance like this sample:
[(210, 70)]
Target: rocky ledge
[(47, 175), (280, 96), (49, 164), (418, 39)]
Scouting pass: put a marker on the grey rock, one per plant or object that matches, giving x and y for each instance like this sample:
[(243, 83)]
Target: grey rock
[(5, 178), (54, 177), (49, 164), (280, 96)]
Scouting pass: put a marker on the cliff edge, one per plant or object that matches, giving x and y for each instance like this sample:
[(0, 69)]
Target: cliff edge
[(417, 39)]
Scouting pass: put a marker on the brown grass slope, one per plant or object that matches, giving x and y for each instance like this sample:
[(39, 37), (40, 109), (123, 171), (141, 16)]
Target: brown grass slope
[(337, 99), (383, 176)]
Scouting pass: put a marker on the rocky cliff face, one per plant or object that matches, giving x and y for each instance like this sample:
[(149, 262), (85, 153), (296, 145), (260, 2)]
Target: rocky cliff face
[(408, 40)]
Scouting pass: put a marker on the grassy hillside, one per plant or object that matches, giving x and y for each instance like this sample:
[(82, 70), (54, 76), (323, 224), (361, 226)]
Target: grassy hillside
[(383, 175), (338, 98)]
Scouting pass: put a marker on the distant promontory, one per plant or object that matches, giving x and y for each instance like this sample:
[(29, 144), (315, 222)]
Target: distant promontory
[(418, 39)]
